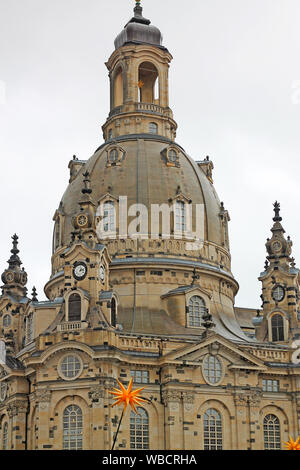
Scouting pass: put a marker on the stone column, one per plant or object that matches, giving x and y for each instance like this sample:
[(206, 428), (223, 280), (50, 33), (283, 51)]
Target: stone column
[(96, 396), (43, 398), (190, 433), (254, 399), (240, 436), (16, 411), (173, 424)]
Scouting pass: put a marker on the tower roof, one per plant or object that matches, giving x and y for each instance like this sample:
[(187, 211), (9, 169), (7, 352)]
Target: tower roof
[(139, 30)]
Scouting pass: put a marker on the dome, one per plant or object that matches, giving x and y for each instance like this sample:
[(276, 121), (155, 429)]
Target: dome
[(139, 30), (144, 177)]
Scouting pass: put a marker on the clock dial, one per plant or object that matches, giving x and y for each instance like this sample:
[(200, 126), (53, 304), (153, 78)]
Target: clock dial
[(278, 293), (9, 277), (102, 273), (82, 220), (80, 271), (276, 246)]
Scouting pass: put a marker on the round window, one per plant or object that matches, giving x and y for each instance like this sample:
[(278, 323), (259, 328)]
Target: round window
[(3, 391), (278, 293), (212, 369), (70, 367)]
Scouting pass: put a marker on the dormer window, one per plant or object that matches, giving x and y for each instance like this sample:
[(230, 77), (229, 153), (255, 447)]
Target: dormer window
[(109, 217), (115, 156), (153, 128), (196, 310), (172, 156), (74, 313), (113, 307), (277, 324), (180, 217)]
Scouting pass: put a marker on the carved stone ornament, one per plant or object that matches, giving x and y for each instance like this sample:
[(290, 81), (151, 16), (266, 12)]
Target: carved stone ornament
[(96, 393), (188, 397), (17, 407), (251, 397), (3, 373), (43, 395), (171, 396)]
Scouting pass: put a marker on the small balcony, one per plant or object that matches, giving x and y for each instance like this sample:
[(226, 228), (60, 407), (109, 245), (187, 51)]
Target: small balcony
[(72, 326)]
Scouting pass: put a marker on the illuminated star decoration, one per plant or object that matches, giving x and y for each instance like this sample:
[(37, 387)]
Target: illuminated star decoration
[(128, 396), (293, 445), (140, 84)]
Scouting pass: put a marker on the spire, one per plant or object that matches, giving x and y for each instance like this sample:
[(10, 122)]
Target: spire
[(14, 278), (34, 295), (14, 261), (279, 248)]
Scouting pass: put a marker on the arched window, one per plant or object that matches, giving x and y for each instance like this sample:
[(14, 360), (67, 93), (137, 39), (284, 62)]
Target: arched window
[(110, 133), (113, 312), (109, 220), (212, 369), (272, 438), (196, 311), (6, 321), (180, 217), (74, 313), (277, 327), (72, 428), (113, 156), (153, 128), (139, 429), (5, 437), (172, 156), (148, 83), (118, 88), (213, 434)]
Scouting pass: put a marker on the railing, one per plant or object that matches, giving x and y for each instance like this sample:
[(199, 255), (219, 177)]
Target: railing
[(74, 325), (150, 107), (269, 354)]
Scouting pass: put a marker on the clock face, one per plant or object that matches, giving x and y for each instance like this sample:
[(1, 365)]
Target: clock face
[(9, 277), (278, 293), (102, 273), (276, 246), (80, 271), (82, 220)]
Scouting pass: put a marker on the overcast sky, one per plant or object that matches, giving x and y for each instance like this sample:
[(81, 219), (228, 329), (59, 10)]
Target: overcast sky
[(235, 93)]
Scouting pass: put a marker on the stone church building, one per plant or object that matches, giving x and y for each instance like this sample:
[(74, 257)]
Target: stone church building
[(153, 307)]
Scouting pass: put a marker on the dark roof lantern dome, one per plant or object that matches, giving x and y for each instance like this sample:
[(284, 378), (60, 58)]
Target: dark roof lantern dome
[(139, 30)]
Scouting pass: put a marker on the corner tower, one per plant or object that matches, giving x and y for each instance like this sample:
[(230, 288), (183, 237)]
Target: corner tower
[(139, 85)]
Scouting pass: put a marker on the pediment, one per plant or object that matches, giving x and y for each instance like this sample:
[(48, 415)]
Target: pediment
[(81, 251), (188, 290), (215, 344)]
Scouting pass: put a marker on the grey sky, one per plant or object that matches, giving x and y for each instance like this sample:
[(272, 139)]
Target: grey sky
[(234, 83)]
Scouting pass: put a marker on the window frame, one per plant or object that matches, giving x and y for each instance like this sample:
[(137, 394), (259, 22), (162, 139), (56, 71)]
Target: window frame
[(211, 440), (209, 374), (68, 432), (272, 434), (279, 329), (144, 376), (151, 127), (138, 431), (60, 365), (191, 315)]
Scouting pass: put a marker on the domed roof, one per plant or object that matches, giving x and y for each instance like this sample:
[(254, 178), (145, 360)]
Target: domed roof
[(144, 177), (139, 30)]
